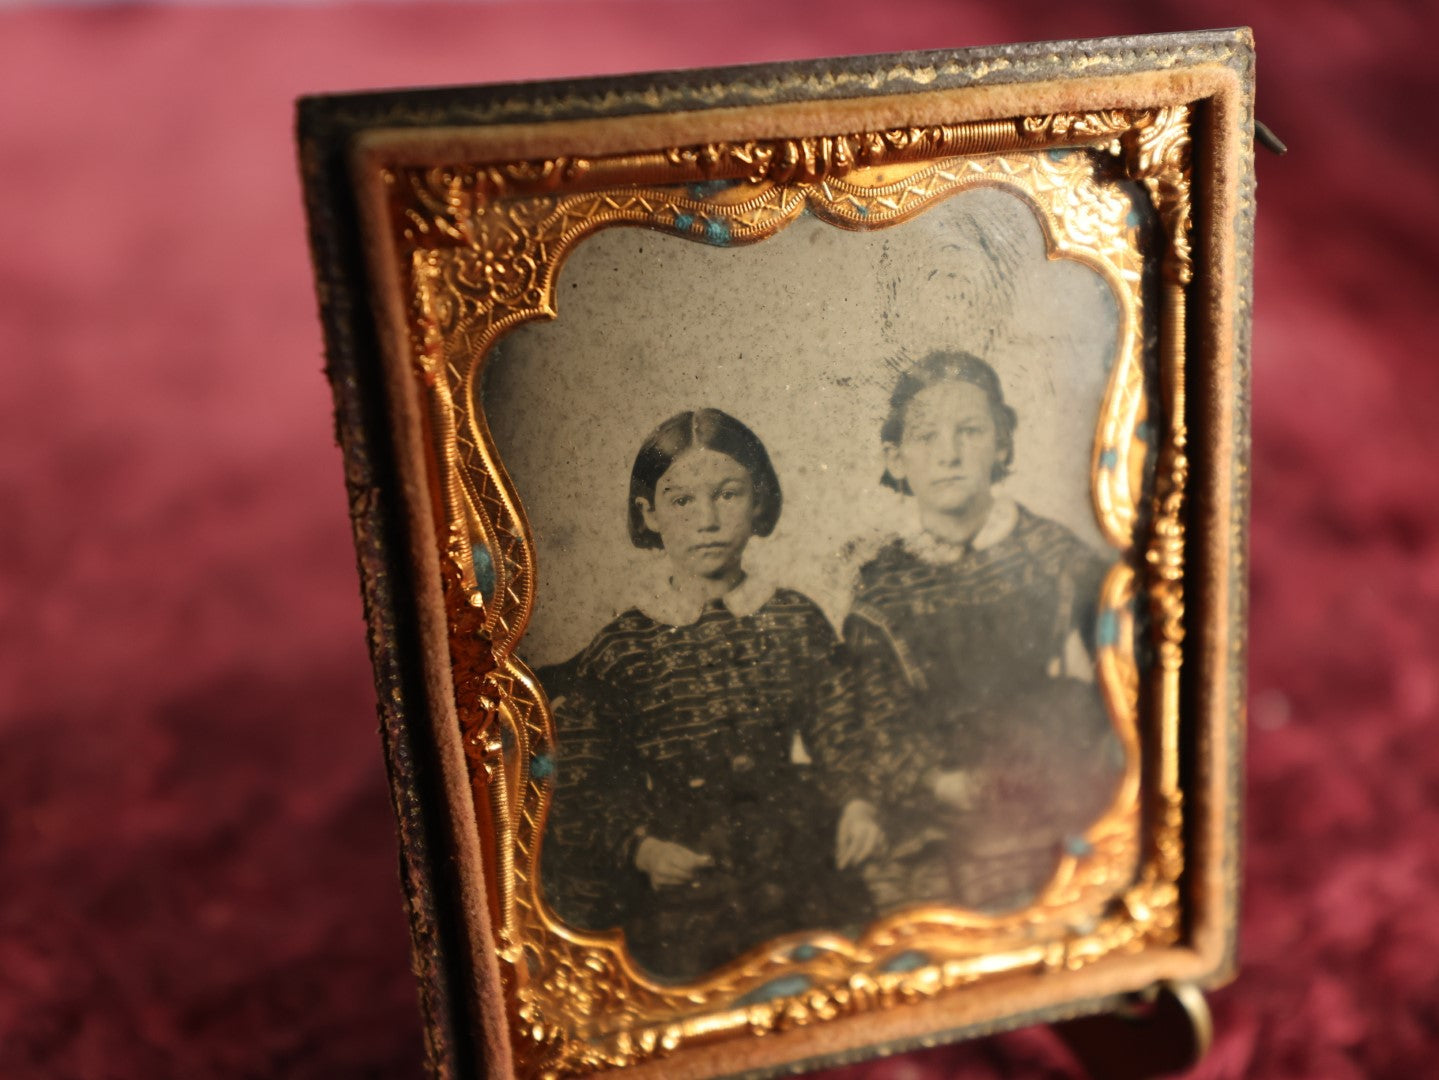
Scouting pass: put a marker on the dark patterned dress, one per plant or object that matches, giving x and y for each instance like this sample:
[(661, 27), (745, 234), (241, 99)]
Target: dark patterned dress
[(958, 660), (687, 733)]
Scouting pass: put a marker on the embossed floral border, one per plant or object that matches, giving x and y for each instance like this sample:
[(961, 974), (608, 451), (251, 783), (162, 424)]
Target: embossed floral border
[(482, 246)]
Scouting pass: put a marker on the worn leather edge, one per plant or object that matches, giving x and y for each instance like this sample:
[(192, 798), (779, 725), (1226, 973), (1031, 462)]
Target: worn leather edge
[(352, 366), (1217, 578)]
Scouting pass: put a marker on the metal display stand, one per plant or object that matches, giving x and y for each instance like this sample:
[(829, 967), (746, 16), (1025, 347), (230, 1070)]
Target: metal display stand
[(1164, 1032)]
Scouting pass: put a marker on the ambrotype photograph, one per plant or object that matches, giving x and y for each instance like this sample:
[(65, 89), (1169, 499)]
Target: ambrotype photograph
[(821, 574)]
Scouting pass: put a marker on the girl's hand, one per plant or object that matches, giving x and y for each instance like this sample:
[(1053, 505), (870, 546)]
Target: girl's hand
[(667, 863), (957, 788), (859, 836)]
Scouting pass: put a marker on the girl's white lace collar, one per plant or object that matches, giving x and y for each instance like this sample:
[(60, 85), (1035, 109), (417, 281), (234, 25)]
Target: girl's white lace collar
[(1002, 519), (671, 607)]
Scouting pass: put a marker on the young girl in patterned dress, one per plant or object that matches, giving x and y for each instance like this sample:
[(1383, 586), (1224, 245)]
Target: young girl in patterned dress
[(685, 811), (965, 640)]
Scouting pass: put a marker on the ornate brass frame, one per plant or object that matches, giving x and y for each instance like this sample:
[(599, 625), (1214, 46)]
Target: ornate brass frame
[(482, 245), (447, 214)]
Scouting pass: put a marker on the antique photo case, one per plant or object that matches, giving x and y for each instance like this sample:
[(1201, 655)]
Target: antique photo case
[(801, 514)]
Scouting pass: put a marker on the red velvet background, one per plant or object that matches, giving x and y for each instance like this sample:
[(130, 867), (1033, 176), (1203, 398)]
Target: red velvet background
[(197, 860)]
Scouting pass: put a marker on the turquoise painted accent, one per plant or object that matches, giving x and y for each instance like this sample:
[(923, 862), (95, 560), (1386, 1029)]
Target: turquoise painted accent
[(705, 188), (1109, 459), (484, 570), (1107, 632), (909, 960), (684, 222), (1058, 155), (1077, 846), (784, 986), (543, 767), (1144, 432), (1132, 218), (861, 210), (717, 232), (804, 952)]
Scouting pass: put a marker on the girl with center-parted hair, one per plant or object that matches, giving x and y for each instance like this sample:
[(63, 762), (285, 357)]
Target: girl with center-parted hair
[(700, 779), (970, 641)]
